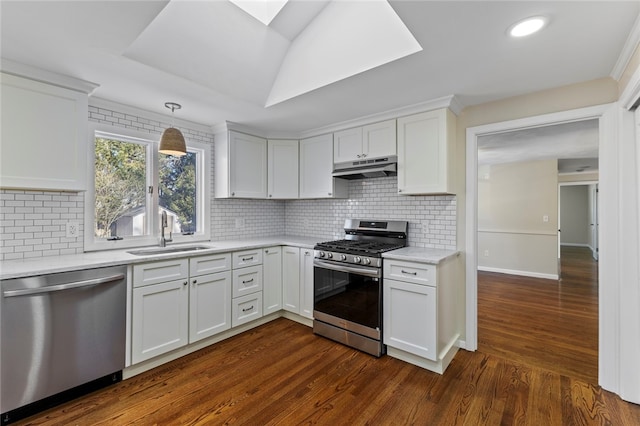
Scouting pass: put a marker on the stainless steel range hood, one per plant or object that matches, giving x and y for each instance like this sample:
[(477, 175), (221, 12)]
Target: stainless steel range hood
[(369, 168)]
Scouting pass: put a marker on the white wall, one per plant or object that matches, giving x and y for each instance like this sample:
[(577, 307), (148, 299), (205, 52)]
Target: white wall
[(513, 200), (574, 215)]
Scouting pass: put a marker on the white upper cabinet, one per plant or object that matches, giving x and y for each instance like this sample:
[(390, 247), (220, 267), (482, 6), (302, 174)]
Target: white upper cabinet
[(44, 136), (316, 167), (282, 169), (371, 141), (347, 145), (426, 144), (241, 166)]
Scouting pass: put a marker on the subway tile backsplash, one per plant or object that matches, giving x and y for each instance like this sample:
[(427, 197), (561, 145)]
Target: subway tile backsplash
[(432, 219), (33, 223)]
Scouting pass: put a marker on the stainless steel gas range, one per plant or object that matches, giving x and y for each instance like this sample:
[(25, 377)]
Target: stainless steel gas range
[(347, 283)]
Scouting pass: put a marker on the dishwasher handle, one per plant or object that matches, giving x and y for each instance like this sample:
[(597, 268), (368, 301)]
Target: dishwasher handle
[(61, 287)]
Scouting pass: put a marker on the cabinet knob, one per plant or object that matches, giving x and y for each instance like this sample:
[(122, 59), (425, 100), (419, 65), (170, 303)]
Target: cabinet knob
[(329, 194), (399, 190), (195, 281), (233, 194), (358, 155), (185, 283), (364, 155), (270, 195)]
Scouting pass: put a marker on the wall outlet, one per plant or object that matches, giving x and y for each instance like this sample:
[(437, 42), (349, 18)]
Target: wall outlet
[(545, 218), (486, 253), (425, 227), (239, 222), (72, 229)]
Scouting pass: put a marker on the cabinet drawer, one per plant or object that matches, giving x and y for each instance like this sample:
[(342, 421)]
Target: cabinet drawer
[(418, 273), (247, 258), (158, 272), (209, 264), (247, 280), (246, 308)]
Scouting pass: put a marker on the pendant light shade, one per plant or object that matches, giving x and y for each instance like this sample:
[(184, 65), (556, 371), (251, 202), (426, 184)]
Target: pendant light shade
[(172, 142)]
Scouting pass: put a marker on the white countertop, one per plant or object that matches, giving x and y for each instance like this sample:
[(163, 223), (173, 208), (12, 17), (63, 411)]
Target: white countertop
[(53, 264), (420, 255)]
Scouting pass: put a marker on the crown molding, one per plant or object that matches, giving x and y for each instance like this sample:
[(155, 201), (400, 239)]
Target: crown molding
[(38, 74), (630, 46)]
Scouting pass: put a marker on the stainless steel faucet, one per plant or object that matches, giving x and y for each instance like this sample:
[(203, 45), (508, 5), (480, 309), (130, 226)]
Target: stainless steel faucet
[(163, 224)]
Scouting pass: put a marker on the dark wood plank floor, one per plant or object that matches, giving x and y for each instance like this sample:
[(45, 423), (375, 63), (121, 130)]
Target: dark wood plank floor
[(280, 373), (545, 323)]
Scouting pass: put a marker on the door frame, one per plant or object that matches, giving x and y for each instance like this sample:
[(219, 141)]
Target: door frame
[(586, 183), (471, 213)]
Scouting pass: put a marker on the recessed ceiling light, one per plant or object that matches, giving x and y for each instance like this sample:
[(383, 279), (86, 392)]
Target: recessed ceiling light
[(527, 26)]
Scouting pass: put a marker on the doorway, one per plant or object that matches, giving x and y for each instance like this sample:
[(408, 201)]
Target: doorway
[(471, 201)]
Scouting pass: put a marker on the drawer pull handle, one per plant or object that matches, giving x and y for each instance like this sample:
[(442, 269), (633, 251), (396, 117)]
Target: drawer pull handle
[(248, 281), (245, 259), (408, 273), (250, 308)]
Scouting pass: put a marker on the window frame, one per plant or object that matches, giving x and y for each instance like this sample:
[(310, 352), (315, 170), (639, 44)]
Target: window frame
[(152, 226)]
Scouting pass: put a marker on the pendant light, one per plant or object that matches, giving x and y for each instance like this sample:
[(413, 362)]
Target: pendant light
[(172, 142)]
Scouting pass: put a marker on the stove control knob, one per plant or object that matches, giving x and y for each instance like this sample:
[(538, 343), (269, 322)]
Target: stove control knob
[(357, 259), (343, 257), (321, 254), (330, 255), (367, 261)]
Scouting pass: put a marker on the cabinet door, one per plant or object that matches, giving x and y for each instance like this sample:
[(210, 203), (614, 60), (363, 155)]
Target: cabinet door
[(410, 317), (209, 305), (347, 145), (316, 168), (272, 280), (282, 169), (44, 136), (247, 166), (160, 319), (306, 283), (291, 279), (246, 308), (379, 139), (424, 153)]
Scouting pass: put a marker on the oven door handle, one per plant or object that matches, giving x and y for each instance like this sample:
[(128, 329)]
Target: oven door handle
[(369, 272)]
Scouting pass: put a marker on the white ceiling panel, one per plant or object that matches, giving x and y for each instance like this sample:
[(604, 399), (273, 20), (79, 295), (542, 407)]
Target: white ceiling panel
[(221, 64)]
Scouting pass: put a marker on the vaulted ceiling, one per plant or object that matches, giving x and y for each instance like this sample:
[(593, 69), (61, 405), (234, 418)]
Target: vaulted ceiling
[(317, 62)]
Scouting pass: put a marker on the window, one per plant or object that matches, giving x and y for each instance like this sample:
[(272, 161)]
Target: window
[(133, 184)]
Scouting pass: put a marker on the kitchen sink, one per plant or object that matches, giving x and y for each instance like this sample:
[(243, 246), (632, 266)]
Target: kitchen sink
[(167, 250)]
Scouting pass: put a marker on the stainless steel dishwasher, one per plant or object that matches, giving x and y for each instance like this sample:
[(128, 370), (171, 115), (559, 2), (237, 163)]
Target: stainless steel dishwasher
[(60, 335)]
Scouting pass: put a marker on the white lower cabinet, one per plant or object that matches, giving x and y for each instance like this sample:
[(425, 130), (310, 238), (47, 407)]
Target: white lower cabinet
[(291, 279), (306, 283), (271, 280), (160, 319), (246, 308), (175, 302), (297, 281), (420, 319), (209, 305), (410, 318), (247, 286)]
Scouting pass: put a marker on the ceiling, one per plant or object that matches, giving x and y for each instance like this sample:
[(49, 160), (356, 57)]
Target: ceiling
[(223, 65), (574, 145)]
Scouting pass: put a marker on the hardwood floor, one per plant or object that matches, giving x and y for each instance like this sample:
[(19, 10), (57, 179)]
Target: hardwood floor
[(280, 373), (544, 323)]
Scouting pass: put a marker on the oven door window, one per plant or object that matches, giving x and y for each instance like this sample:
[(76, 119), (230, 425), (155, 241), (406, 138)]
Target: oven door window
[(348, 296)]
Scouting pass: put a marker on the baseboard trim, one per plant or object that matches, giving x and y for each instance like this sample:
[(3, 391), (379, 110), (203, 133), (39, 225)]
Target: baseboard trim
[(520, 273), (575, 245)]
